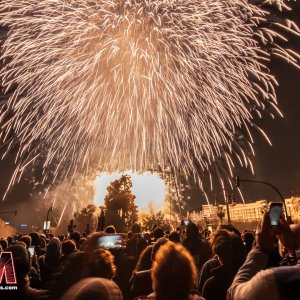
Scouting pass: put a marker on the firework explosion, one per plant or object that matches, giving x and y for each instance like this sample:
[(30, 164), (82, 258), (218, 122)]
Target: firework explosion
[(136, 84)]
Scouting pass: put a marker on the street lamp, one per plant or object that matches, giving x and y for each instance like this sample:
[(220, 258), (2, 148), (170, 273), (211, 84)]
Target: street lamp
[(46, 227), (238, 180), (227, 207)]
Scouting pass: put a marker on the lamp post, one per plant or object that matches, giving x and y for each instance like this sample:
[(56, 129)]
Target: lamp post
[(71, 227), (238, 180), (227, 207), (46, 229)]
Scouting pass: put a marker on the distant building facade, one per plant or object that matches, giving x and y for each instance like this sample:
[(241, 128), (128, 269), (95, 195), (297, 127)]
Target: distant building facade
[(293, 208), (248, 212)]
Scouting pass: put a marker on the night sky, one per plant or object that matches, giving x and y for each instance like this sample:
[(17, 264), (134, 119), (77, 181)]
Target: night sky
[(279, 164)]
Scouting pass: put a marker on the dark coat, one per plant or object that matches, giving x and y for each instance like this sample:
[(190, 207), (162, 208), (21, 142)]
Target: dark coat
[(215, 288), (140, 284), (206, 271)]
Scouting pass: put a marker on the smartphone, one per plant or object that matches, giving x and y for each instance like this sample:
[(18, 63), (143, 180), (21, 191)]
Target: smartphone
[(210, 228), (111, 241), (31, 250), (186, 222), (275, 211)]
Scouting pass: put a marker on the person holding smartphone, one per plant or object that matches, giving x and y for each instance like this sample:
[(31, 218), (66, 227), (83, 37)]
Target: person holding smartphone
[(253, 281), (31, 250)]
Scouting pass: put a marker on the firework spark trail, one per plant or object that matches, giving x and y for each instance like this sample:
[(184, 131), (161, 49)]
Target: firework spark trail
[(137, 83), (62, 213)]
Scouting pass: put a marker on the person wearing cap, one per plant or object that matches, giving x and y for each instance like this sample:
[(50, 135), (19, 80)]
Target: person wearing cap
[(253, 281)]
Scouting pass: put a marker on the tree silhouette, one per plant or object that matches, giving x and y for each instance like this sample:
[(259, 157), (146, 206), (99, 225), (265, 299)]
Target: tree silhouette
[(85, 216), (121, 210), (157, 219)]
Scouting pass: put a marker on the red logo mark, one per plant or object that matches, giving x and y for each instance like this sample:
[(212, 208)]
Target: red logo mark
[(7, 268)]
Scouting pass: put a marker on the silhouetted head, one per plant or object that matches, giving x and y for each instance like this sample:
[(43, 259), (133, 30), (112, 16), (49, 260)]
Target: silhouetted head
[(192, 231), (174, 237), (3, 244), (158, 233), (228, 247), (53, 251), (26, 239), (136, 228), (110, 229), (67, 247), (21, 259), (75, 236), (229, 227), (161, 241), (35, 239)]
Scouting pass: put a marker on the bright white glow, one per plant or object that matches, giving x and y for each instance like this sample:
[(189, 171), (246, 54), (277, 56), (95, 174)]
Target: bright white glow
[(148, 188)]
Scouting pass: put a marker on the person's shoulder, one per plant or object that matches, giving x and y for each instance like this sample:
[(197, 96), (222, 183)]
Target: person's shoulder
[(153, 297), (145, 297), (288, 281), (283, 270), (210, 286), (35, 294), (212, 262), (40, 260), (195, 297), (143, 273), (186, 242)]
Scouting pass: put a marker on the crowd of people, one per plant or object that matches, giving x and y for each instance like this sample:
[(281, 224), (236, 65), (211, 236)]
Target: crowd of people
[(185, 264)]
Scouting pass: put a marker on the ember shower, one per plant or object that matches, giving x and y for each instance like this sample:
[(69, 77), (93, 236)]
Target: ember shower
[(117, 85)]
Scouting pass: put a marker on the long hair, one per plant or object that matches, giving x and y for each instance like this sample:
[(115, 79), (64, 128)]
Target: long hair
[(174, 273)]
